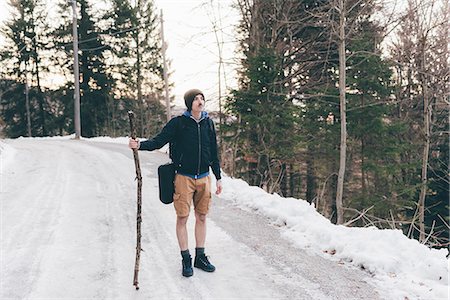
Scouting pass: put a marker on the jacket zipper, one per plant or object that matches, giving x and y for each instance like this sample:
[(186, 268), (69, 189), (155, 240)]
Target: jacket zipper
[(199, 148), (181, 159)]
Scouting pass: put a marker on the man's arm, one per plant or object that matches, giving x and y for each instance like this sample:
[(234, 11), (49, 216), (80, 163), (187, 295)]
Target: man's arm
[(215, 162), (166, 135)]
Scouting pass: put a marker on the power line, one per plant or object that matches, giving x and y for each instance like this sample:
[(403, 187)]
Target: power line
[(106, 34), (94, 38), (109, 34)]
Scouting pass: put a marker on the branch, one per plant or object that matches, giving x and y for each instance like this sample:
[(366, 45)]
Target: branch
[(443, 221), (358, 217), (431, 231)]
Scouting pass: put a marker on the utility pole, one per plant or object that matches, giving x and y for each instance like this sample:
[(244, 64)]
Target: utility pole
[(76, 71), (166, 80)]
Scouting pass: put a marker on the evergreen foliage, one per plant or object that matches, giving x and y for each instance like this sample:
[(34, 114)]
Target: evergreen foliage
[(120, 64), (22, 64), (384, 115), (266, 119)]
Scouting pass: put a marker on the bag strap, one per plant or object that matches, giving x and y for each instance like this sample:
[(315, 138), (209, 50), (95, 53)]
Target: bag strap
[(211, 127)]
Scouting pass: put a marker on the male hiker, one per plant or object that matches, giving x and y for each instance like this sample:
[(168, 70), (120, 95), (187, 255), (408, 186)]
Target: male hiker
[(194, 150)]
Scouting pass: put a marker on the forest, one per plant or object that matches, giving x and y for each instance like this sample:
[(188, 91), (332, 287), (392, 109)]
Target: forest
[(342, 103)]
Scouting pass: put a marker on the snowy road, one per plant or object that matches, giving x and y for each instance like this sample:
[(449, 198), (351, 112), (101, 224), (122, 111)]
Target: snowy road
[(68, 231)]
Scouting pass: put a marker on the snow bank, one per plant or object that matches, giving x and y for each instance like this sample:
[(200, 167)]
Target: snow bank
[(403, 267), (6, 156), (54, 138)]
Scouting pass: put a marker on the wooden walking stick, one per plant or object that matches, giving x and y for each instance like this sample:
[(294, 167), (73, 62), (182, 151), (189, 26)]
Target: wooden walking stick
[(139, 203)]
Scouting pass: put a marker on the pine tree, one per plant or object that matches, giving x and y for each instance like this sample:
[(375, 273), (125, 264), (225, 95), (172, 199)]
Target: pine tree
[(320, 104), (266, 116), (370, 128), (136, 48), (21, 58), (264, 112)]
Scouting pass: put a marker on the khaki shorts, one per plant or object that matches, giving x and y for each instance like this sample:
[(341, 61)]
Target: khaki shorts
[(188, 190)]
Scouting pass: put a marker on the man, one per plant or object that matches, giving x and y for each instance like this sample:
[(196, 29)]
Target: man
[(194, 137)]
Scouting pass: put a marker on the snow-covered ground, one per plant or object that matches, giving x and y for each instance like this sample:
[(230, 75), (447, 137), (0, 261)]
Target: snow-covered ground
[(68, 231)]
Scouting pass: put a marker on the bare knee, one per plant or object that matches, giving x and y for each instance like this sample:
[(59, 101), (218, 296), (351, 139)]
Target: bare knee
[(200, 217), (181, 221)]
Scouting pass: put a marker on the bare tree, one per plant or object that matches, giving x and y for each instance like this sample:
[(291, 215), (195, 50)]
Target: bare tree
[(428, 23), (342, 88), (422, 69)]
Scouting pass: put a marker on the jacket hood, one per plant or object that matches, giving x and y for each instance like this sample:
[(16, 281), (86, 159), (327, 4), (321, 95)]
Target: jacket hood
[(189, 115)]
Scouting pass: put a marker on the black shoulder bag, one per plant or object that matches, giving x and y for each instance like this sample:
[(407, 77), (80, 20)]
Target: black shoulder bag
[(166, 178)]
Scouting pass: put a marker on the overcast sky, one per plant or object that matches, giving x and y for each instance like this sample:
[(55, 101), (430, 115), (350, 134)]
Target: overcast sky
[(192, 46)]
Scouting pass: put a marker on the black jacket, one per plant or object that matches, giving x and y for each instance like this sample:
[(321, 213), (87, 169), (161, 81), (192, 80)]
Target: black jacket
[(196, 144)]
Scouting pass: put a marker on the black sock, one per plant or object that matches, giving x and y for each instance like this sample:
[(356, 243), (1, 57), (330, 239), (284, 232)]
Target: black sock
[(199, 251), (185, 254)]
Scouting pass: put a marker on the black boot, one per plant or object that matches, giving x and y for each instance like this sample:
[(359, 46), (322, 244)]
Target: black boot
[(202, 262), (186, 263)]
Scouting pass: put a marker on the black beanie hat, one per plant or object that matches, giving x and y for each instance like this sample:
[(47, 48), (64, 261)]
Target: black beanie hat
[(189, 97)]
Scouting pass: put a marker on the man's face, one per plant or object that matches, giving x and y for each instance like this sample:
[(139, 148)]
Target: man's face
[(198, 104)]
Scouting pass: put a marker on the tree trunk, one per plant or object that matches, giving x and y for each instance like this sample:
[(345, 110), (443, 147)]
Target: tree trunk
[(291, 181), (343, 150), (166, 78), (363, 172), (426, 149), (283, 182), (310, 176)]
